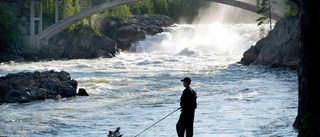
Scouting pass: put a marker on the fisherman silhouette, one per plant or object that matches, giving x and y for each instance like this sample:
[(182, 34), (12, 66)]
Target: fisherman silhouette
[(188, 103)]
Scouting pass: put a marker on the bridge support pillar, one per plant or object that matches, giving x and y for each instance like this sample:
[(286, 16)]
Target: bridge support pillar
[(35, 20), (30, 42)]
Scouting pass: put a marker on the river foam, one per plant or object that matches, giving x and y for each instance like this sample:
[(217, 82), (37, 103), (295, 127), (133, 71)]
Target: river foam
[(136, 89)]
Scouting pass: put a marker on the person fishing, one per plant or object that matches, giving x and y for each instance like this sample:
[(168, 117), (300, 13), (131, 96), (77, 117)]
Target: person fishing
[(188, 103)]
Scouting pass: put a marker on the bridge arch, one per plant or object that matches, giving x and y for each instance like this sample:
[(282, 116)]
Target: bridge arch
[(246, 6), (66, 22)]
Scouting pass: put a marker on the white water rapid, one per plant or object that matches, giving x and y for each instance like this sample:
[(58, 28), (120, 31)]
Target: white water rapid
[(136, 89)]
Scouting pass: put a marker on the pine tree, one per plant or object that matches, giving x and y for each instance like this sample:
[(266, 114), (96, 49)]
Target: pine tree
[(265, 10)]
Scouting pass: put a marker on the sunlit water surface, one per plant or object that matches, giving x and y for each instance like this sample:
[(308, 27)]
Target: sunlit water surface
[(135, 90)]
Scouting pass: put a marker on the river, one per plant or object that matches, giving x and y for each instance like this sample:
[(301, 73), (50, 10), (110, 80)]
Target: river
[(138, 88)]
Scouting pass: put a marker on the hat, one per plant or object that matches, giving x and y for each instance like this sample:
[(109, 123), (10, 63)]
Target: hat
[(187, 79)]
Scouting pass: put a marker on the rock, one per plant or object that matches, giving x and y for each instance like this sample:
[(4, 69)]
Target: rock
[(91, 46), (50, 52), (279, 49), (126, 31), (102, 54), (129, 34), (249, 56), (82, 92), (27, 86), (63, 76)]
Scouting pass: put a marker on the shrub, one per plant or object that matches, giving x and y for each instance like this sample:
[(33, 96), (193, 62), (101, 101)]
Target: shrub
[(115, 133)]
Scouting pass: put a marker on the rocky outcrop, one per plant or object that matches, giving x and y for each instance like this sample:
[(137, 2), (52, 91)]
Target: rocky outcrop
[(279, 49), (27, 86), (84, 43), (126, 31), (75, 45)]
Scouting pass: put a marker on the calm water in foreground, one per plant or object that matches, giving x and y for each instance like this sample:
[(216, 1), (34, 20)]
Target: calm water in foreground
[(134, 90)]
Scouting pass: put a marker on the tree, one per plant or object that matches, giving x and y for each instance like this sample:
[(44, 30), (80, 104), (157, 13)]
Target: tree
[(8, 29), (266, 9), (291, 9), (122, 11), (161, 6), (308, 119), (141, 8)]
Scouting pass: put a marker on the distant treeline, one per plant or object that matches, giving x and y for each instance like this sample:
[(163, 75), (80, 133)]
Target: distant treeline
[(176, 9)]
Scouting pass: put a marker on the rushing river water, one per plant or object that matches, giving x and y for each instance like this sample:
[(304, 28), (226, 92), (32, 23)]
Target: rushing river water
[(136, 89)]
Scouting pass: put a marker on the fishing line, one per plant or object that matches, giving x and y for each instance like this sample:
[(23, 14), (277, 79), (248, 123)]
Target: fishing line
[(157, 122)]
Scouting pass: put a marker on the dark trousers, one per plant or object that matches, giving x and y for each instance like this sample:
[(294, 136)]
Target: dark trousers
[(185, 124)]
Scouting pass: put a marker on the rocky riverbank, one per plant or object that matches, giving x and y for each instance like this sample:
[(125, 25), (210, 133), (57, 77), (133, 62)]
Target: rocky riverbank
[(30, 86), (117, 34), (279, 49)]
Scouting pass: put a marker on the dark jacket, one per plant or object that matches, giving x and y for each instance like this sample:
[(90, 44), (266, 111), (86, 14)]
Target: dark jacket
[(188, 100)]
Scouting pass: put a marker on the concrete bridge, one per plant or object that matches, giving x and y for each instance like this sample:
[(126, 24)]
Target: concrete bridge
[(250, 7), (35, 40)]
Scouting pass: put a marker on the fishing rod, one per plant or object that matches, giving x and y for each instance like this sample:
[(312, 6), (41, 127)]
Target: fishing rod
[(157, 122)]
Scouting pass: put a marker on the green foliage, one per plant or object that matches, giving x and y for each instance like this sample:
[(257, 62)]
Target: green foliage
[(176, 9), (187, 9), (290, 9), (121, 11), (173, 8), (72, 7), (8, 29), (141, 8), (115, 133), (161, 6), (81, 29), (265, 10)]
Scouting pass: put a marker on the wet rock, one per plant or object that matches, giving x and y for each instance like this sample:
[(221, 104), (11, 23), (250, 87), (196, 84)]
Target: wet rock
[(129, 34), (279, 49), (249, 56), (128, 30), (25, 87), (82, 92)]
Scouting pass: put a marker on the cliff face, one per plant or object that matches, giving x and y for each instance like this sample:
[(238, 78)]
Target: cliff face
[(279, 49)]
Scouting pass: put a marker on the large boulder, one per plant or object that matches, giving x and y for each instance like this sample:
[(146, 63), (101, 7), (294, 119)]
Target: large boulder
[(128, 30), (90, 45), (129, 34), (279, 49), (30, 86)]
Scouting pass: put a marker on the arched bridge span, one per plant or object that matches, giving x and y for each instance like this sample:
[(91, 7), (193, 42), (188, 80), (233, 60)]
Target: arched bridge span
[(247, 6), (66, 22)]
